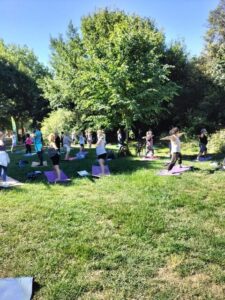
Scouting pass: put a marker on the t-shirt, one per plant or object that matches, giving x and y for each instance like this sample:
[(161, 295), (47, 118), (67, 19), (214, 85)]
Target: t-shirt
[(175, 144), (203, 140), (38, 140), (66, 141), (81, 140), (100, 149)]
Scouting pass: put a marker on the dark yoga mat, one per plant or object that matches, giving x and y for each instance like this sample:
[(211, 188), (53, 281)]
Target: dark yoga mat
[(96, 171), (51, 176)]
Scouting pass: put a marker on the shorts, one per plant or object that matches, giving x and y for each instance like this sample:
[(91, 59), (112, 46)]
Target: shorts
[(82, 145), (67, 148), (203, 148), (55, 159), (102, 156)]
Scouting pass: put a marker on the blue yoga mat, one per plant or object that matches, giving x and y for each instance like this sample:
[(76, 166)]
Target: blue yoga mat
[(16, 288)]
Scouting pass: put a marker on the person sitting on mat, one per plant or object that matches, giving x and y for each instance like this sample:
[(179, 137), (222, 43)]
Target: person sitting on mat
[(100, 150), (149, 143), (203, 141), (28, 143), (174, 139), (67, 144), (54, 155), (38, 144), (4, 161)]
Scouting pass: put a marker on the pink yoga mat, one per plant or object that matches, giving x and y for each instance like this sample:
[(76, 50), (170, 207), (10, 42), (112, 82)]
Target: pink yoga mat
[(150, 158), (51, 176), (175, 171), (96, 171)]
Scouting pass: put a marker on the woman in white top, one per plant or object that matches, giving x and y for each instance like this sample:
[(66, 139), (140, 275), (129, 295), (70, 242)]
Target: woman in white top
[(174, 138), (100, 150)]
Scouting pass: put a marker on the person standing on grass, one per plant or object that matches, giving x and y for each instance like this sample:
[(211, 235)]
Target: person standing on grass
[(54, 155), (203, 141), (149, 143), (174, 139), (81, 140), (38, 144), (67, 144), (28, 143), (14, 141), (4, 161), (89, 138), (100, 150)]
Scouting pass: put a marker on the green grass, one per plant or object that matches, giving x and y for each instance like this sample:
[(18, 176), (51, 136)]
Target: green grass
[(133, 235)]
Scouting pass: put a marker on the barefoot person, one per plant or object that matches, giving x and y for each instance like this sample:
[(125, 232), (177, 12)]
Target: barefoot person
[(54, 155), (100, 150)]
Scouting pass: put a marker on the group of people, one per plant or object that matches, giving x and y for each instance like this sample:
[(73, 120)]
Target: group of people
[(65, 140)]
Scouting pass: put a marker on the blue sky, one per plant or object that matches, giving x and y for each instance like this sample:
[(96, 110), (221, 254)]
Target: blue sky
[(32, 22)]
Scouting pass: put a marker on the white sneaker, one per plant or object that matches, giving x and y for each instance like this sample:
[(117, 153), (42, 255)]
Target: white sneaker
[(5, 184)]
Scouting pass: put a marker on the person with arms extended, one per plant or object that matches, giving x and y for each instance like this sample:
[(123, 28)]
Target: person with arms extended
[(174, 139)]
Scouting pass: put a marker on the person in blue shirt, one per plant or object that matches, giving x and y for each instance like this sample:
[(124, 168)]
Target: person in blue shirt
[(38, 144)]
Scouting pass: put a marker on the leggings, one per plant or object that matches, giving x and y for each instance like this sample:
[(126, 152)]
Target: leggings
[(3, 172), (175, 156), (40, 156)]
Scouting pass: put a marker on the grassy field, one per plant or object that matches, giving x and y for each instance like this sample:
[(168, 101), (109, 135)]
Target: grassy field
[(133, 235)]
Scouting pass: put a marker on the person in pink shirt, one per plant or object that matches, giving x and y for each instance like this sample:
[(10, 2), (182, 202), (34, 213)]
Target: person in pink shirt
[(28, 143)]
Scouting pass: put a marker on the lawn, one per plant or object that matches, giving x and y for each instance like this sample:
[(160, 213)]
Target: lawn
[(133, 235)]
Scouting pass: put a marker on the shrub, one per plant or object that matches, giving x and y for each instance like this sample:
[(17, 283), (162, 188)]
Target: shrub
[(217, 141)]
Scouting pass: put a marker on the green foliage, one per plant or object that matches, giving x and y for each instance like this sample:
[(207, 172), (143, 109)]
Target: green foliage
[(58, 120), (20, 93), (217, 141), (112, 75)]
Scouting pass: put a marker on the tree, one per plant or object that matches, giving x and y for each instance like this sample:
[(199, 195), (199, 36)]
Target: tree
[(112, 75), (20, 94)]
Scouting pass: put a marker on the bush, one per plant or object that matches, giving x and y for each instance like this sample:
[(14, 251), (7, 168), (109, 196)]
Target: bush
[(217, 142)]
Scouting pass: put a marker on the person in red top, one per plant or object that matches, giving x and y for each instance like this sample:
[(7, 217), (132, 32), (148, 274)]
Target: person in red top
[(28, 143)]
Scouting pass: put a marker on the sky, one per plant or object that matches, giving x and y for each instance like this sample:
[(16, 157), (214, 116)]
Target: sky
[(33, 22)]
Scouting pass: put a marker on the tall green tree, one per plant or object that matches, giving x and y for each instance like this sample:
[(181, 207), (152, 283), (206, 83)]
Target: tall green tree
[(112, 74), (20, 93)]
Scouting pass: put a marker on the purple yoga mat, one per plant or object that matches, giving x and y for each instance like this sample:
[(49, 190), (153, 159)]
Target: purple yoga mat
[(96, 171), (51, 176), (175, 171)]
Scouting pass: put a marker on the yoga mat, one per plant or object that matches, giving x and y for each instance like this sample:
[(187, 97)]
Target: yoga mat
[(29, 154), (205, 158), (16, 288), (51, 176), (166, 173), (175, 171), (11, 182), (149, 158), (36, 164), (96, 171), (83, 173)]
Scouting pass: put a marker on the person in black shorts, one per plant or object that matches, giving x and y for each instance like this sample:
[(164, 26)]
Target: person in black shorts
[(53, 154), (203, 141)]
